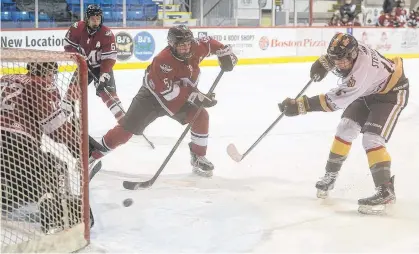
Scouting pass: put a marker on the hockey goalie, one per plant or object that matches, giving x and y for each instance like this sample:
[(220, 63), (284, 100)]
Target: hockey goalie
[(31, 108)]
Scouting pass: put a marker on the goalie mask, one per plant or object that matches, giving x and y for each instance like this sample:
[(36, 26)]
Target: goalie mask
[(180, 39), (342, 53), (46, 70)]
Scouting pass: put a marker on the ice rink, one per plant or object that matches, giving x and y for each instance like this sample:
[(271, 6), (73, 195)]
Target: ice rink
[(266, 203)]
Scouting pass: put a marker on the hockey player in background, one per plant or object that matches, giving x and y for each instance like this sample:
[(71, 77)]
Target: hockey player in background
[(31, 108), (97, 43), (373, 91), (170, 89)]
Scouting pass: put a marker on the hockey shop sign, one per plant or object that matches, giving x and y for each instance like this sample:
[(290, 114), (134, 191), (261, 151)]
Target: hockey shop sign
[(34, 40), (241, 40)]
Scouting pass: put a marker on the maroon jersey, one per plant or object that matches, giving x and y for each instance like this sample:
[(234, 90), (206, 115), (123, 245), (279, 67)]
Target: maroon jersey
[(171, 80), (99, 47), (30, 106)]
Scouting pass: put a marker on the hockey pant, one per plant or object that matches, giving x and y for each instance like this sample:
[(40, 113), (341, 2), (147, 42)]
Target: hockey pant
[(376, 117), (144, 109)]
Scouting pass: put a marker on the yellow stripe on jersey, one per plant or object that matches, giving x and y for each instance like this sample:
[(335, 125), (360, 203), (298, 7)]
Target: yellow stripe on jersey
[(377, 155), (340, 147), (398, 71), (323, 103)]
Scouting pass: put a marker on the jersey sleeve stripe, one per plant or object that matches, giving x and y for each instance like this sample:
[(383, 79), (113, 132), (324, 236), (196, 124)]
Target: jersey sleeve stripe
[(67, 42), (54, 121), (108, 56)]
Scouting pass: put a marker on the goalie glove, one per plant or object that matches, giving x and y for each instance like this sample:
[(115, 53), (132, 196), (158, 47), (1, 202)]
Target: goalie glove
[(226, 58), (68, 107), (198, 99)]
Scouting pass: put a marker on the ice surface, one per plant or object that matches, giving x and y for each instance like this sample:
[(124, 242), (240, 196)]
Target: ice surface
[(266, 203)]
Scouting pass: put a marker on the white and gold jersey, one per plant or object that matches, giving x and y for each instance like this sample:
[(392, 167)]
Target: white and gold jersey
[(372, 73)]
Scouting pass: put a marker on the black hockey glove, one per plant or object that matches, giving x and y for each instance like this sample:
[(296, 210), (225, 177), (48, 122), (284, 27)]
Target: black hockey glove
[(226, 58), (105, 82), (320, 68), (292, 107), (198, 99)]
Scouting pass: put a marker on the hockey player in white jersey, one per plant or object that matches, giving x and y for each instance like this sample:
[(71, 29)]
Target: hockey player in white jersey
[(373, 90)]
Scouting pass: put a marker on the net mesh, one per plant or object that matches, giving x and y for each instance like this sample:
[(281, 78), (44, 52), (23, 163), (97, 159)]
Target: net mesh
[(43, 150)]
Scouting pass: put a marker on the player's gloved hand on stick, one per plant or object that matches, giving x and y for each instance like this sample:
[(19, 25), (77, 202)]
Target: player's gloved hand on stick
[(292, 107), (320, 68), (226, 58), (198, 99), (105, 82)]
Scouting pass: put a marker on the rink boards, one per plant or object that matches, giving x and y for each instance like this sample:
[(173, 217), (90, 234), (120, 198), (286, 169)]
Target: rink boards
[(137, 46)]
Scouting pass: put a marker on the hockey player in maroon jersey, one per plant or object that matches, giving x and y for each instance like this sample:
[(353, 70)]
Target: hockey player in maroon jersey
[(170, 89), (30, 108), (96, 41)]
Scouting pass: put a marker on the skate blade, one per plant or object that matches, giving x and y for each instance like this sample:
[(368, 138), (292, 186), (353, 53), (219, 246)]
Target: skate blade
[(203, 173), (383, 209), (322, 194), (372, 210)]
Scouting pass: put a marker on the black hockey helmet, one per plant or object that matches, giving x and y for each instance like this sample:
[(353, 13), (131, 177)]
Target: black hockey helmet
[(41, 69), (342, 53), (94, 10), (178, 35)]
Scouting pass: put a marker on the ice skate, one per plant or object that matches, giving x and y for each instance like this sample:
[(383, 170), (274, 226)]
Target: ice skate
[(377, 203), (201, 165), (326, 183)]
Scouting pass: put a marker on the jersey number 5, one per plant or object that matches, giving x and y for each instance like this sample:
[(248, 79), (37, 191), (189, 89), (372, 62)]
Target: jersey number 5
[(8, 92)]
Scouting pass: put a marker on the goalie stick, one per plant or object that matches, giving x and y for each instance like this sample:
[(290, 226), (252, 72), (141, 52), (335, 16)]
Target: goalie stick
[(133, 185), (117, 104), (231, 148)]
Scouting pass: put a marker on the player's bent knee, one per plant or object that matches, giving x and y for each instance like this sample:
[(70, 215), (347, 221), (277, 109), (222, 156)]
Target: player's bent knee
[(372, 140), (203, 115), (348, 129), (116, 137)]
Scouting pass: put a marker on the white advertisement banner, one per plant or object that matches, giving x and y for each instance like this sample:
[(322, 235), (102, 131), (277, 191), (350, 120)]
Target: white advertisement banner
[(387, 40), (141, 45)]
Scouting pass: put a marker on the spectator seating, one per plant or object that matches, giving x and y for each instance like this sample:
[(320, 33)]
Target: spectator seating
[(137, 10)]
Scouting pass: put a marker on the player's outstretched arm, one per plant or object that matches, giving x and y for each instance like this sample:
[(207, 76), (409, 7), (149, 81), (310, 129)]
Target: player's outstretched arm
[(226, 58)]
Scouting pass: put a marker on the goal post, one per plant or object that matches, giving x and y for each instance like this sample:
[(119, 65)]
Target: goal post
[(44, 151)]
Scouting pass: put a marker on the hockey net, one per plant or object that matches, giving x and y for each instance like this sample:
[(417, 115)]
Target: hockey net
[(29, 177)]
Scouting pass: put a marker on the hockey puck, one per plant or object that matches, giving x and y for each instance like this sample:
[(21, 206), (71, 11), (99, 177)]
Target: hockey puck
[(127, 202)]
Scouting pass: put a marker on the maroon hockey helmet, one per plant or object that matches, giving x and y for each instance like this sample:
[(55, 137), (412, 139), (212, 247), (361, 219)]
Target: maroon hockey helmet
[(177, 36)]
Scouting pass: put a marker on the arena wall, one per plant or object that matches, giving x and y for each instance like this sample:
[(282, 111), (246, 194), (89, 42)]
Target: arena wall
[(137, 46)]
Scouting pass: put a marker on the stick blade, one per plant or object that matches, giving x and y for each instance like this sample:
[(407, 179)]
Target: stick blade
[(233, 153), (129, 185)]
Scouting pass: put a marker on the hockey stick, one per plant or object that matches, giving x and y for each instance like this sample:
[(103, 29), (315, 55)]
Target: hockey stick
[(132, 185), (96, 168), (116, 103), (231, 148)]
